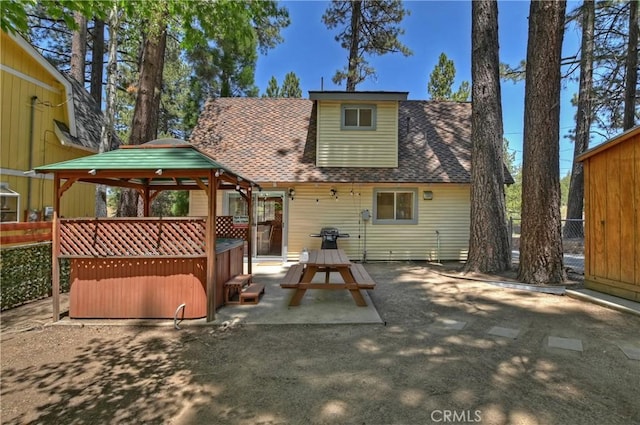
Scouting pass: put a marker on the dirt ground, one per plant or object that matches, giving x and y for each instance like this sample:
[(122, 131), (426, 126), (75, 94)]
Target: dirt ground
[(433, 361)]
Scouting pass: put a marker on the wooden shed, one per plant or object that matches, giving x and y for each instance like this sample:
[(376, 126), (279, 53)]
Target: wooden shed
[(612, 215)]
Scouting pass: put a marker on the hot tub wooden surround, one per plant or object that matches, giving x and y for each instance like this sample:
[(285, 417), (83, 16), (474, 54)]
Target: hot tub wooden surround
[(143, 267)]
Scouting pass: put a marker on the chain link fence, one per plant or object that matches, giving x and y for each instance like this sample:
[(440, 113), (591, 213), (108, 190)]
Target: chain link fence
[(572, 243)]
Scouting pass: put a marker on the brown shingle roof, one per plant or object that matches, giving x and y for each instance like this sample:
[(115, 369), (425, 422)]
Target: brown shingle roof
[(89, 120), (273, 140)]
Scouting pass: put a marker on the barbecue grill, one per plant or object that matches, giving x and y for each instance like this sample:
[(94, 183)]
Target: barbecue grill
[(329, 237)]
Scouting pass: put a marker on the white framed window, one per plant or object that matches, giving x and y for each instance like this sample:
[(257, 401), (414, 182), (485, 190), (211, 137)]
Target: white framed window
[(236, 205), (266, 204), (358, 117), (395, 206)]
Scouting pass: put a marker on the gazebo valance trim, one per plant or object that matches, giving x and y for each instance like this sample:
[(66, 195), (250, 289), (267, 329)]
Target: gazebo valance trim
[(153, 165)]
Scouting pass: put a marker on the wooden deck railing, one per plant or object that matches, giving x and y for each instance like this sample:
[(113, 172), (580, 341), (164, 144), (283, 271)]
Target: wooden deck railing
[(17, 233)]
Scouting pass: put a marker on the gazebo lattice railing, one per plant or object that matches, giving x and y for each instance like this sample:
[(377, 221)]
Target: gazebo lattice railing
[(140, 237)]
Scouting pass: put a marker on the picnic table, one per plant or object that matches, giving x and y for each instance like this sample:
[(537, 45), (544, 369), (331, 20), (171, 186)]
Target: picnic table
[(354, 276)]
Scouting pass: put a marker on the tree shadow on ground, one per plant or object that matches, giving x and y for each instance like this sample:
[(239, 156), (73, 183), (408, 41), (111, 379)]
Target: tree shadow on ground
[(413, 370), (138, 378)]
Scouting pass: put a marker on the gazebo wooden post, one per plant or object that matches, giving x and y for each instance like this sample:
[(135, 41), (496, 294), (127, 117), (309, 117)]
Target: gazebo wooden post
[(55, 249), (250, 230), (146, 208), (210, 246)]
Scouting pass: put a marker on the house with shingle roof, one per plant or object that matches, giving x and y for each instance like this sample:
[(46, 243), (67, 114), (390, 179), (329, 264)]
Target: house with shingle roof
[(392, 174), (46, 117)]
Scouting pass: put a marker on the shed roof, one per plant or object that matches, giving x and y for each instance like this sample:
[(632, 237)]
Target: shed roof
[(609, 143)]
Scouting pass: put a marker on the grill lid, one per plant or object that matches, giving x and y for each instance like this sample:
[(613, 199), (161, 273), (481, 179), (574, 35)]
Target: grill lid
[(329, 231)]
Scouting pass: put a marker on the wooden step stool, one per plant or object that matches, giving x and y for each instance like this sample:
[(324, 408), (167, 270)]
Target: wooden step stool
[(251, 294), (235, 286)]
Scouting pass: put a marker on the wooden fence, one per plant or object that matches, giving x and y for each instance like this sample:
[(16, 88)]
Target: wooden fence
[(20, 233)]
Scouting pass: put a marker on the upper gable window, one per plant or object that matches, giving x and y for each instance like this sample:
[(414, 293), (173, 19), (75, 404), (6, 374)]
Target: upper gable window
[(358, 117)]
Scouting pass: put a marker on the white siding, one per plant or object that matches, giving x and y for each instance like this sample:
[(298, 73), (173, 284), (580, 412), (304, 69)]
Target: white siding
[(355, 148), (448, 213), (198, 203), (314, 208)]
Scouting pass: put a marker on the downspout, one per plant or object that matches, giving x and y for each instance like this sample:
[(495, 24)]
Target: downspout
[(31, 144)]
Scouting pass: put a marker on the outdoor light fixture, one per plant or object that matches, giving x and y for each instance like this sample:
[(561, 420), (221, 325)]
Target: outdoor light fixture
[(333, 193), (292, 193), (93, 172), (159, 171), (238, 187)]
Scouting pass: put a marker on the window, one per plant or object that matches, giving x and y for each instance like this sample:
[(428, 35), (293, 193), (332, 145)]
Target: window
[(267, 205), (237, 204), (395, 206), (9, 204), (358, 117)]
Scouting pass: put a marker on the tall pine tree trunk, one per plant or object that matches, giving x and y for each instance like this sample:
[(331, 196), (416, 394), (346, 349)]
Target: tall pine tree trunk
[(489, 249), (631, 80), (541, 241), (78, 47), (575, 203), (108, 126), (97, 60), (352, 75), (145, 114)]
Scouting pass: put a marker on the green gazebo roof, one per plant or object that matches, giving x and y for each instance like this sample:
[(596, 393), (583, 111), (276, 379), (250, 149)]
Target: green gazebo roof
[(160, 154), (165, 161)]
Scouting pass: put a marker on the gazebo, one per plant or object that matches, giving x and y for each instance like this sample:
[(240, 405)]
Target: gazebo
[(126, 253)]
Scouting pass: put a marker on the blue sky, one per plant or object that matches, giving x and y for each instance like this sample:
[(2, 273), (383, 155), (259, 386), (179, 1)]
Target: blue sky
[(433, 27)]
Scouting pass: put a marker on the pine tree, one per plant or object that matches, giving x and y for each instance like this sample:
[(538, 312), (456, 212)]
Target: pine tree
[(541, 242), (291, 86), (370, 27), (575, 202), (441, 80), (489, 249), (272, 89), (239, 23), (79, 48), (631, 77)]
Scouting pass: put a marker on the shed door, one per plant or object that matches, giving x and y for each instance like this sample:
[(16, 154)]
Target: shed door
[(613, 219)]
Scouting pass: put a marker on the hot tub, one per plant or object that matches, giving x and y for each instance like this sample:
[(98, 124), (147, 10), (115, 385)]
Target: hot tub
[(143, 268)]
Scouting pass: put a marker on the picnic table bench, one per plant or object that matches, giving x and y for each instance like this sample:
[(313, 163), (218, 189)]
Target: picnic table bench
[(293, 276), (362, 277), (354, 276)]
